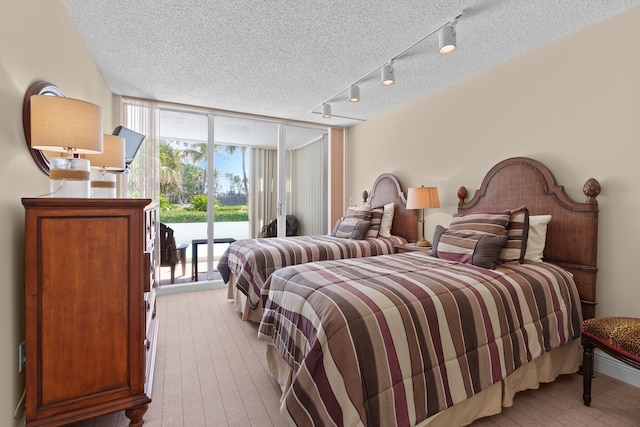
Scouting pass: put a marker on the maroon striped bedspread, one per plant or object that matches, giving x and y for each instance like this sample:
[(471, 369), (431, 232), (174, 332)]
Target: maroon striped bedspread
[(253, 260), (393, 340)]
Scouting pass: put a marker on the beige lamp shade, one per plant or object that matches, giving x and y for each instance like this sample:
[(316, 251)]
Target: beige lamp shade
[(423, 198), (112, 156), (65, 124)]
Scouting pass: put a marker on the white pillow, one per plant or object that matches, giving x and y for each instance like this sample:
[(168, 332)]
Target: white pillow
[(387, 220), (537, 237)]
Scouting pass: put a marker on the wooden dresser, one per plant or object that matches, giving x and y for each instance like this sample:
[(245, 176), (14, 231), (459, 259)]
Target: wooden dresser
[(91, 322)]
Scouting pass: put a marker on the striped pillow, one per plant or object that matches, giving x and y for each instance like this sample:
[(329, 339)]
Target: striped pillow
[(359, 212), (517, 234), (469, 247), (482, 222), (376, 220), (351, 228)]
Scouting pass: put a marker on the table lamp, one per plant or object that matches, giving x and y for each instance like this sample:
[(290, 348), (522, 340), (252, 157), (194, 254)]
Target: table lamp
[(70, 126), (103, 183), (423, 198)]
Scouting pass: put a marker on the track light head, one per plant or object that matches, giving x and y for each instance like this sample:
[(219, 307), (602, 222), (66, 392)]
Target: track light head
[(326, 111), (447, 44), (354, 93), (447, 38), (388, 76)]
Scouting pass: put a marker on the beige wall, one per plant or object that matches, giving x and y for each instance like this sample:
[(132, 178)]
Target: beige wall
[(37, 42), (574, 105)]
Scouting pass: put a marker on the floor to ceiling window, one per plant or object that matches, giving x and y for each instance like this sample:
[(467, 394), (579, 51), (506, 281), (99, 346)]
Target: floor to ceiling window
[(221, 179)]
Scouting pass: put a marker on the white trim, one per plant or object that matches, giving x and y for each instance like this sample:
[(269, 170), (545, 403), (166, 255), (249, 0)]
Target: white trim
[(614, 368), (211, 183), (190, 287), (281, 204)]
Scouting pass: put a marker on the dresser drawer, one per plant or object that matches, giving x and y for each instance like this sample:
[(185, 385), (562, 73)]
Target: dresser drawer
[(150, 309), (150, 229), (150, 344), (150, 271)]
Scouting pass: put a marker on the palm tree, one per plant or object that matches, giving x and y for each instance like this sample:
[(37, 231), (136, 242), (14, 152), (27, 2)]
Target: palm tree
[(199, 153), (231, 149), (170, 172), (245, 181), (197, 156), (237, 184), (192, 180), (229, 177)]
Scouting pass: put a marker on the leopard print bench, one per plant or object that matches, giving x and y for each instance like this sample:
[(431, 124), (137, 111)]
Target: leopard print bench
[(617, 336)]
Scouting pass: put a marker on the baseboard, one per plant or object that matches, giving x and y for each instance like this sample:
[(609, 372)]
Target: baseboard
[(202, 285), (616, 369)]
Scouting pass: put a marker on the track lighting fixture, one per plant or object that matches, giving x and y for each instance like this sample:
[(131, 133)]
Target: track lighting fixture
[(326, 111), (447, 44), (387, 75), (354, 93), (447, 38)]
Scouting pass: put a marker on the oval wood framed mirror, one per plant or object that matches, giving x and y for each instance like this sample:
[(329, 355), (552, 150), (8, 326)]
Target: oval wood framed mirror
[(37, 88)]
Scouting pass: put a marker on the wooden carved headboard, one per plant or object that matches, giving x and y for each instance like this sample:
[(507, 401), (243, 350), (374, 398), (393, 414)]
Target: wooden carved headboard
[(572, 233), (387, 189)]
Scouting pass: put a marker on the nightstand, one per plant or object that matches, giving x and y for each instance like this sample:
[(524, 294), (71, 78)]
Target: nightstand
[(411, 247)]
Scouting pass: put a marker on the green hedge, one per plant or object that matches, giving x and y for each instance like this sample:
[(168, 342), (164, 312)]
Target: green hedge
[(221, 214)]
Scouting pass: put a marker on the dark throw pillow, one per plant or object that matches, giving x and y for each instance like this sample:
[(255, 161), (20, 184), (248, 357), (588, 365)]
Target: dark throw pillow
[(470, 247)]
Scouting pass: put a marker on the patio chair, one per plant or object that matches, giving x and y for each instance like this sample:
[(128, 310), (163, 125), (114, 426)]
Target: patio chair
[(170, 253), (271, 229)]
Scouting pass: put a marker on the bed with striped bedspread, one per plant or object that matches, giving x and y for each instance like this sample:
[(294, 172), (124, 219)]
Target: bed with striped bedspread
[(393, 340), (251, 261)]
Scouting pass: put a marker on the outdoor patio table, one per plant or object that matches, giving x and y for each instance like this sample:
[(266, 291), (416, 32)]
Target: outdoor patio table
[(194, 252)]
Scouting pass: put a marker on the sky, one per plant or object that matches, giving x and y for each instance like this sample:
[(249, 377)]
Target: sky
[(227, 163)]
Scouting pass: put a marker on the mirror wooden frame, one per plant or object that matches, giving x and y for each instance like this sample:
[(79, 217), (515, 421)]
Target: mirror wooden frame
[(37, 88)]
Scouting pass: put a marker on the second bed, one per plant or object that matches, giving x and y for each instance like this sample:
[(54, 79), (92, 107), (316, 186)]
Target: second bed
[(246, 264)]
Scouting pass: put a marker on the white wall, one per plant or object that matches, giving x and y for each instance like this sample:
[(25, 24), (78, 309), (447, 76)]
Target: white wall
[(574, 105), (37, 42)]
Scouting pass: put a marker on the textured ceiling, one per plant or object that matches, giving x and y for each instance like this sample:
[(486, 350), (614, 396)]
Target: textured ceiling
[(284, 58)]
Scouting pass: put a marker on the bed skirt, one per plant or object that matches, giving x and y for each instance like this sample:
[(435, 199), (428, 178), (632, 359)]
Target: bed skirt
[(544, 369), (241, 303)]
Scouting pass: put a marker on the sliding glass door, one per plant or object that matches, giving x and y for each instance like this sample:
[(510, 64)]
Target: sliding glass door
[(184, 188), (224, 178)]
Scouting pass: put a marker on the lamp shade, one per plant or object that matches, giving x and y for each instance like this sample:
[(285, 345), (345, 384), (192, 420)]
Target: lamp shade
[(112, 156), (65, 124), (423, 198)]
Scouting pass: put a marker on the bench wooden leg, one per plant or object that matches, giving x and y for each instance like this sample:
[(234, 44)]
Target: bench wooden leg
[(587, 371)]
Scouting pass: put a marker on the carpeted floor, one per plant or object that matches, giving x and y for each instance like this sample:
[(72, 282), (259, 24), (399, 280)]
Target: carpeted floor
[(211, 371)]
